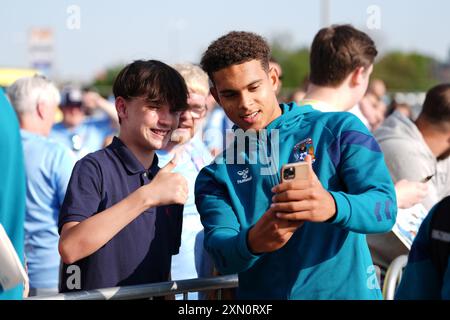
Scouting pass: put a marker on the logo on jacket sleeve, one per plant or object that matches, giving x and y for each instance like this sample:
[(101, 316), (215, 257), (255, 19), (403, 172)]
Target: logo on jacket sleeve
[(302, 149), (244, 175)]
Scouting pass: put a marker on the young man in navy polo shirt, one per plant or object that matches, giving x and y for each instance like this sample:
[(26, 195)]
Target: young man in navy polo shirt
[(121, 219)]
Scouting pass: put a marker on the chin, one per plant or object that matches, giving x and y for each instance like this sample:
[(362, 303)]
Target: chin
[(156, 145)]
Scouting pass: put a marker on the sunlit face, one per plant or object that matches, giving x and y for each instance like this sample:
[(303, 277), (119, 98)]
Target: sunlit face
[(190, 120), (247, 94), (72, 115), (149, 125)]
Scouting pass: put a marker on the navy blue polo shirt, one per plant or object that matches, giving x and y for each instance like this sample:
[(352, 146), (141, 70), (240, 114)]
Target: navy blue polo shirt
[(142, 251)]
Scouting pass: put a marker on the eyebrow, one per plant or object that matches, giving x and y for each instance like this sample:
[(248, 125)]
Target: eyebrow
[(248, 85)]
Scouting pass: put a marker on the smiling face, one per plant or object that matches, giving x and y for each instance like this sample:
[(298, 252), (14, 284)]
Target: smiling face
[(247, 94), (145, 126), (190, 120)]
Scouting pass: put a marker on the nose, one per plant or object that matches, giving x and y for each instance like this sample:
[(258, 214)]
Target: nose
[(246, 101), (186, 116), (168, 119)]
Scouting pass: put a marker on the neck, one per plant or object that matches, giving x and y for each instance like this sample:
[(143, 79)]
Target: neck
[(73, 121), (335, 97), (145, 157), (435, 139), (33, 124)]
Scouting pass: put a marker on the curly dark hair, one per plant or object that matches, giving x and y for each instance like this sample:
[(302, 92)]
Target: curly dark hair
[(234, 48)]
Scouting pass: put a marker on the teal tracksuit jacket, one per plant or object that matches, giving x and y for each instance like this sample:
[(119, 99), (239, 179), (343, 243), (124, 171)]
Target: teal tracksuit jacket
[(421, 279), (328, 260)]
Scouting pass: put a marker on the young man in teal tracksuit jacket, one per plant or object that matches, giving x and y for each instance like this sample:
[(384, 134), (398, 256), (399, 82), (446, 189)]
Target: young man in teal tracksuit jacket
[(294, 240)]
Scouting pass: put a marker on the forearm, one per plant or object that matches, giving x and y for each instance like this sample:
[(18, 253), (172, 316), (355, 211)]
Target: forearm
[(371, 212), (91, 234), (110, 110), (230, 251)]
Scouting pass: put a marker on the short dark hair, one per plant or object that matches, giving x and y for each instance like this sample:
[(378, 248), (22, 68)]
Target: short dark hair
[(436, 107), (234, 48), (154, 80), (337, 51)]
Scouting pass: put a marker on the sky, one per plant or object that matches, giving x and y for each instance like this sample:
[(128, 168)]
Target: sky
[(90, 36)]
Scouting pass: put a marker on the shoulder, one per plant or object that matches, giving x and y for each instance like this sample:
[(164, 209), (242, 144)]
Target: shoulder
[(337, 120), (92, 163), (58, 128), (439, 213), (207, 178), (340, 125), (57, 153), (48, 148), (57, 146)]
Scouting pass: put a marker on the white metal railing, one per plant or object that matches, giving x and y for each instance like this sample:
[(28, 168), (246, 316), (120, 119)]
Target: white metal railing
[(149, 291), (393, 276)]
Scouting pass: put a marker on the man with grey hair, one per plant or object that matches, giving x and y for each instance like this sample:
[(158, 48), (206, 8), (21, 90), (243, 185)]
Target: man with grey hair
[(192, 261), (48, 166)]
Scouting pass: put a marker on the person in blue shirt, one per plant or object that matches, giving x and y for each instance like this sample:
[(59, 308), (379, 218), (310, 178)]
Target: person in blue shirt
[(121, 219), (88, 121), (48, 166), (12, 186), (291, 240), (192, 261), (427, 273)]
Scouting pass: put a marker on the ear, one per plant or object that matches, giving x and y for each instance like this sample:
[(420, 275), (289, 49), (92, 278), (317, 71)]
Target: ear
[(357, 76), (40, 110), (121, 108), (213, 92), (274, 78)]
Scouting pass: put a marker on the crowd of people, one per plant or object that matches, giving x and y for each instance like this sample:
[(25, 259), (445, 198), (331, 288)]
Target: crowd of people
[(179, 177)]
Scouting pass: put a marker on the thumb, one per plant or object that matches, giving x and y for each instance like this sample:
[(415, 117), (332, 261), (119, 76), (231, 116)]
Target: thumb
[(171, 164), (308, 160)]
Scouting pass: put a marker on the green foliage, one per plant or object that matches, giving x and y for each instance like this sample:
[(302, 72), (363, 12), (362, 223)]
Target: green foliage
[(406, 71), (104, 82), (295, 65), (400, 71)]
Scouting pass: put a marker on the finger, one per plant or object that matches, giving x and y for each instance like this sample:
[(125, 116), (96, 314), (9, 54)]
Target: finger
[(312, 174), (295, 216), (171, 165), (289, 225), (292, 206), (291, 185), (292, 195)]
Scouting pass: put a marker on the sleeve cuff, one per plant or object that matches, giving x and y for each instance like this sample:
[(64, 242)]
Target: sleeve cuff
[(243, 248), (343, 209)]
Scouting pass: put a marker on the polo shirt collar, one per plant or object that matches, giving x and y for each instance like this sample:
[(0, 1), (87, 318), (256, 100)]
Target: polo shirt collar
[(128, 159)]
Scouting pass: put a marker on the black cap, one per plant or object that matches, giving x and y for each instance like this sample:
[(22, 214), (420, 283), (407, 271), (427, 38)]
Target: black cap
[(71, 97)]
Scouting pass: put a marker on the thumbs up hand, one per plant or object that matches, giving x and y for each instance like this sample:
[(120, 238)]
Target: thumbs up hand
[(303, 199), (168, 187)]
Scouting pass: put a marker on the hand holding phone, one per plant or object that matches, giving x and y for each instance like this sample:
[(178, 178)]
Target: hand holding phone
[(304, 199), (295, 171)]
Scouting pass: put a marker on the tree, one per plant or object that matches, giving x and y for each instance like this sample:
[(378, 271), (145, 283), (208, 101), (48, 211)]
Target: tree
[(295, 65), (406, 71), (104, 81)]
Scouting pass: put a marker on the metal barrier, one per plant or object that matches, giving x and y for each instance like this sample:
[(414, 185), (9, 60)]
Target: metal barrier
[(149, 290), (393, 276)]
